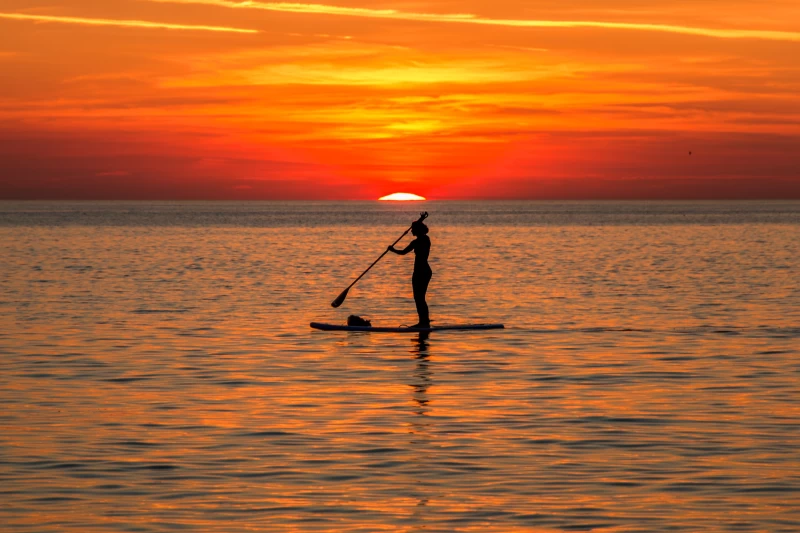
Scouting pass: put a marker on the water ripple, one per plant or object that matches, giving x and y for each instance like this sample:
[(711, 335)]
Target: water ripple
[(165, 377)]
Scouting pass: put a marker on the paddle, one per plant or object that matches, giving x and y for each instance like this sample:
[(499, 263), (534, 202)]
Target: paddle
[(340, 299)]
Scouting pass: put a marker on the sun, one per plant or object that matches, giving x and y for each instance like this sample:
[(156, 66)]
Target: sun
[(402, 197)]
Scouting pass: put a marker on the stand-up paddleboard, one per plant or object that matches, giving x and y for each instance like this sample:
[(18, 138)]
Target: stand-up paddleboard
[(382, 329)]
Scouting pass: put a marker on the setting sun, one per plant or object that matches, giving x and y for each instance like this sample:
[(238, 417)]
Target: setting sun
[(402, 197)]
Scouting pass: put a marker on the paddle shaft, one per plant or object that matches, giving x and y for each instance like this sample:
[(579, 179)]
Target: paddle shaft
[(378, 259)]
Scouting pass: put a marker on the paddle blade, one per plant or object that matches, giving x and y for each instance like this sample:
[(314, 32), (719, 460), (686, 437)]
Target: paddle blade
[(340, 299)]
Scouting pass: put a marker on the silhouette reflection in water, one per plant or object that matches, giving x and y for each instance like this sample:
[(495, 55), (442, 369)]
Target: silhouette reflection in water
[(422, 373), (421, 380)]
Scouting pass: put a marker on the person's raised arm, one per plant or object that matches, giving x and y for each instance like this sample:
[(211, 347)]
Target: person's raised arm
[(405, 250)]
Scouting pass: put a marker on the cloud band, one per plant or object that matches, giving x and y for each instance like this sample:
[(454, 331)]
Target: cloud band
[(124, 23), (323, 9)]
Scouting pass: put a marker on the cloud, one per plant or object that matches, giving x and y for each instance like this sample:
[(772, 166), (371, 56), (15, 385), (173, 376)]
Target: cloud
[(465, 18), (123, 23)]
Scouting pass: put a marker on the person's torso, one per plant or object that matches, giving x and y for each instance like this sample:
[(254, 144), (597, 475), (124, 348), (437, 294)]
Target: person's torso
[(422, 250)]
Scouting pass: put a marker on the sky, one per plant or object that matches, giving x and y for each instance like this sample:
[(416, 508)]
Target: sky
[(468, 99)]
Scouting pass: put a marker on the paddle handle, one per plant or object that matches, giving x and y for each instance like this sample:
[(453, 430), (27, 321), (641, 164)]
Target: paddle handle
[(422, 217)]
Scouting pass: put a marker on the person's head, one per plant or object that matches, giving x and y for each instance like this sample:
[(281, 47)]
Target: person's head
[(418, 228)]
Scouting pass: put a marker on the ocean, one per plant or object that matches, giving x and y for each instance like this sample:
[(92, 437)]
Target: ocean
[(158, 372)]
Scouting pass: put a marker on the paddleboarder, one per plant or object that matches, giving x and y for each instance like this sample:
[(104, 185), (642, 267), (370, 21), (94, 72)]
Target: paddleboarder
[(422, 271)]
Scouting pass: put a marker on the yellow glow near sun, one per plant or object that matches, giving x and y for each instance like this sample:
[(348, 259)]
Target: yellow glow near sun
[(401, 197)]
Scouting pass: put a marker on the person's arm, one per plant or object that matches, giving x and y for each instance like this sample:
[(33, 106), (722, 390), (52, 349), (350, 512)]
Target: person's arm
[(405, 250)]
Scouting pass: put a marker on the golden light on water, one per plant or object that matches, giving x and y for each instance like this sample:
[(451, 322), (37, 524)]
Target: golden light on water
[(402, 197)]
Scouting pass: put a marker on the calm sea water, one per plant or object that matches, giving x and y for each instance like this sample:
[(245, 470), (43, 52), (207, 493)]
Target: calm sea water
[(157, 371)]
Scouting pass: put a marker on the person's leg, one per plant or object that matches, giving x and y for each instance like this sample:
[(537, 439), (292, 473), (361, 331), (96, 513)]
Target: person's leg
[(420, 286)]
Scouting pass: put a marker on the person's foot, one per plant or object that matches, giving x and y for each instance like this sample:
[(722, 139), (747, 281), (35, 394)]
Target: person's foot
[(418, 325)]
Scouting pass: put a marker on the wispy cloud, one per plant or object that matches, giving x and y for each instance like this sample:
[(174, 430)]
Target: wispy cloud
[(465, 18), (324, 9), (361, 65), (124, 23)]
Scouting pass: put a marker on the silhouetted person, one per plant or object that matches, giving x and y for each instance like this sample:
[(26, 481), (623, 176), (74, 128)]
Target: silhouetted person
[(422, 271)]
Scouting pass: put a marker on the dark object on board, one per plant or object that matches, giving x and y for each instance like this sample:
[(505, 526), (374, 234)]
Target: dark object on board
[(354, 320)]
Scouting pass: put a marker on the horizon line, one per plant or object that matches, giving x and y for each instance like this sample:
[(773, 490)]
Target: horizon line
[(410, 202)]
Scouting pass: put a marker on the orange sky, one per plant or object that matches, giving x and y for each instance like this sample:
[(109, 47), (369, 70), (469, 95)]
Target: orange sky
[(206, 99)]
